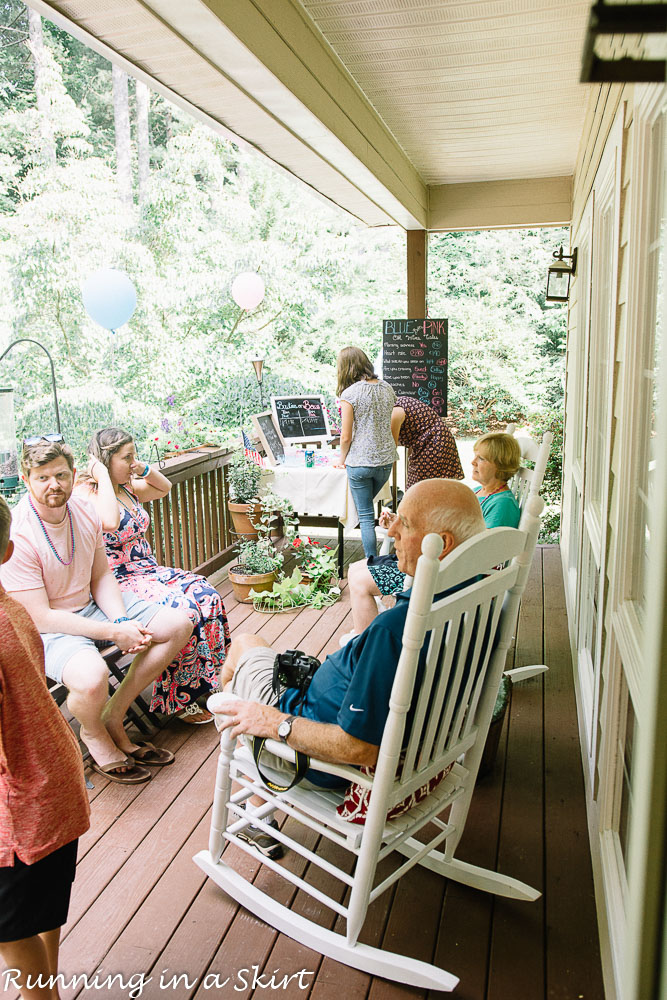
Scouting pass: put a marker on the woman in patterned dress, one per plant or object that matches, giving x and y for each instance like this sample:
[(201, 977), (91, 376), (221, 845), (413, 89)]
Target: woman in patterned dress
[(117, 484), (432, 449)]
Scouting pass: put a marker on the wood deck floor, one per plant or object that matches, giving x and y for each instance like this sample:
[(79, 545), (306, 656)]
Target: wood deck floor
[(140, 905)]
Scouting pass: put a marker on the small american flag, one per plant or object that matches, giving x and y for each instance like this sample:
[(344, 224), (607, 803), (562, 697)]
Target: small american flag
[(254, 456), (251, 452)]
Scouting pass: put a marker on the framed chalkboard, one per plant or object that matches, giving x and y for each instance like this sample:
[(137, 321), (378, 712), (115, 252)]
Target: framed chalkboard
[(414, 359), (301, 418), (267, 432)]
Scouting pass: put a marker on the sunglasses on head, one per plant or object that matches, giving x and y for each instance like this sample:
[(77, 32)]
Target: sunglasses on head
[(29, 441)]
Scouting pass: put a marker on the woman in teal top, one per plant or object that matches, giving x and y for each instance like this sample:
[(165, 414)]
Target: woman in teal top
[(496, 459)]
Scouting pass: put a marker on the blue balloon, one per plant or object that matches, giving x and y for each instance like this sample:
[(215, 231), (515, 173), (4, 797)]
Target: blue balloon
[(110, 297)]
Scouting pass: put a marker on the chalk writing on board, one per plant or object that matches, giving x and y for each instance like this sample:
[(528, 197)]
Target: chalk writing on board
[(301, 418), (414, 359), (265, 426)]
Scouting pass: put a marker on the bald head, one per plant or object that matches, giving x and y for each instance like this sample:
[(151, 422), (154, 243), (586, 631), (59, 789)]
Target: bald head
[(443, 506)]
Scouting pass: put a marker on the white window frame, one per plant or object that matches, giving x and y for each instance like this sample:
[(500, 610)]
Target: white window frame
[(650, 102), (576, 401), (592, 573)]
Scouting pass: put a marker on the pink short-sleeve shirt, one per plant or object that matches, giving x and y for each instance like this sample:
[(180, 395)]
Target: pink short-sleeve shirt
[(33, 564)]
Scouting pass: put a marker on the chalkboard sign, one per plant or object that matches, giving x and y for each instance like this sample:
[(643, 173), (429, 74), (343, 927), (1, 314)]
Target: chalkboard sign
[(267, 433), (301, 418), (414, 359)]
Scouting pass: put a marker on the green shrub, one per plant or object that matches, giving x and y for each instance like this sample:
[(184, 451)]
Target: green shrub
[(551, 419), (83, 414)]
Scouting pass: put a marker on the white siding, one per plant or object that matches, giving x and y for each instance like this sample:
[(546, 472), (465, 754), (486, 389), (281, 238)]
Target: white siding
[(610, 428)]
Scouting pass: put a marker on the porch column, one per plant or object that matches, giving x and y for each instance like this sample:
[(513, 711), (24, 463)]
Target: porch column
[(416, 262)]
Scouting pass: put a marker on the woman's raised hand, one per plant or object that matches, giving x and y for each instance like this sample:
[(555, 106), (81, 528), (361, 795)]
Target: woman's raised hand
[(138, 468), (97, 469)]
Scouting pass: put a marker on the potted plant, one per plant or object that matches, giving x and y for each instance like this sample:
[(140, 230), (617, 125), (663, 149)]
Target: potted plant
[(244, 477), (259, 561), (179, 435)]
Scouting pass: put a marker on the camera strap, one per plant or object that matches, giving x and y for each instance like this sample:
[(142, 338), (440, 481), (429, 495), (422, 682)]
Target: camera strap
[(302, 764)]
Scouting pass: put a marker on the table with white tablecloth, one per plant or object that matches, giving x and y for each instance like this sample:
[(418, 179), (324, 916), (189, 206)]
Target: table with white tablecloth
[(321, 494)]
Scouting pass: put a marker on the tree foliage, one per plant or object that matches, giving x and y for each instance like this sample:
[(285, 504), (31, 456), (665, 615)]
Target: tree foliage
[(207, 211)]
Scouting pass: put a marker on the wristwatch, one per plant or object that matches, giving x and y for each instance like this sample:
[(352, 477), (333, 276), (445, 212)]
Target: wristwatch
[(285, 728)]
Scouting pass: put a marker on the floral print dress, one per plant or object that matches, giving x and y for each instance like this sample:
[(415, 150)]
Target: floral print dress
[(433, 451), (194, 671)]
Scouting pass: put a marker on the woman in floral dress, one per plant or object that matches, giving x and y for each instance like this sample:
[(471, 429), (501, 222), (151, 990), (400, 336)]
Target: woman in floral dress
[(432, 449), (117, 484)]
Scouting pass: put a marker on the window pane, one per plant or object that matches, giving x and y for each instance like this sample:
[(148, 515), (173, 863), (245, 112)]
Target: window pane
[(651, 344), (626, 751)]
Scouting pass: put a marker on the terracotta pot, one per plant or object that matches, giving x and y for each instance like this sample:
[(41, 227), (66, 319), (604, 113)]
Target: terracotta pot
[(243, 583), (243, 516)]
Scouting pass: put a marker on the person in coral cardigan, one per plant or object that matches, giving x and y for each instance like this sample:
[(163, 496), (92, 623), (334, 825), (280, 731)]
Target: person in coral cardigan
[(43, 800)]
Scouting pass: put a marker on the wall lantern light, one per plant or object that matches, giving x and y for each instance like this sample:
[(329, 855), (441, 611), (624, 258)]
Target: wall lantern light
[(559, 274), (625, 43)]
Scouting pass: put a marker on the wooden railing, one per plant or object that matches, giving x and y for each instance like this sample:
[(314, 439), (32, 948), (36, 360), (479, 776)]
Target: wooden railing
[(190, 527)]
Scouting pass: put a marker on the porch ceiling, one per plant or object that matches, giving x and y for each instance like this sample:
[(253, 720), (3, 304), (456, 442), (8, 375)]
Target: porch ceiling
[(376, 104)]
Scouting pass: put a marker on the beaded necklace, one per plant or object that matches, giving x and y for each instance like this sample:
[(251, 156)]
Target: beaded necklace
[(499, 490), (136, 507), (63, 562)]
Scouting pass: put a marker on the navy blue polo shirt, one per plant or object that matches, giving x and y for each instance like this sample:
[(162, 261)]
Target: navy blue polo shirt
[(351, 689)]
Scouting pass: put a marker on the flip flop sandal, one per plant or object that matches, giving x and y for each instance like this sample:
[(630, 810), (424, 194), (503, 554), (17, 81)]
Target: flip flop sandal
[(151, 755), (194, 715), (134, 776)]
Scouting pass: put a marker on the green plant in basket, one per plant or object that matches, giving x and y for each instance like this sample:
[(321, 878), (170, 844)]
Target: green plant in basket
[(315, 560), (292, 593)]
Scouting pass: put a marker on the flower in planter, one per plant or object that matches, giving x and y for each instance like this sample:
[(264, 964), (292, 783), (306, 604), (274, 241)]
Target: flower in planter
[(315, 559), (177, 433)]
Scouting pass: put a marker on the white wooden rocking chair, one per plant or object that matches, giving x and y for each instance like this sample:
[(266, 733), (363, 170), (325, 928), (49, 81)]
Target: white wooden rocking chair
[(526, 485), (468, 633)]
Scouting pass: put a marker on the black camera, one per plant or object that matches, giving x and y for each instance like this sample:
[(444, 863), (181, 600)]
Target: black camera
[(294, 669)]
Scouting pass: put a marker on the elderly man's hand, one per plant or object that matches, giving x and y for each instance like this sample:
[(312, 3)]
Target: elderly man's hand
[(248, 717)]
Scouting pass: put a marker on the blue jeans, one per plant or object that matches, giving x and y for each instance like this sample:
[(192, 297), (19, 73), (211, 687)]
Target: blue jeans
[(365, 481)]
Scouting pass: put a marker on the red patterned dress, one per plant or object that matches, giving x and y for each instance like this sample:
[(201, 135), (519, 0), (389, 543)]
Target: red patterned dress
[(433, 451), (194, 671)]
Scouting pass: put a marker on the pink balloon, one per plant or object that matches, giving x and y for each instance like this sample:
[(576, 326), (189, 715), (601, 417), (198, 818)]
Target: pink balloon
[(247, 290)]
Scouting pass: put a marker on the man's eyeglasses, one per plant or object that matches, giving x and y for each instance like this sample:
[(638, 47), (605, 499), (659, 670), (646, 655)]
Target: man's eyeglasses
[(30, 441)]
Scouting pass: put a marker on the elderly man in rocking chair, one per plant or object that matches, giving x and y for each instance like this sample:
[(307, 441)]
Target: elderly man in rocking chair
[(347, 702)]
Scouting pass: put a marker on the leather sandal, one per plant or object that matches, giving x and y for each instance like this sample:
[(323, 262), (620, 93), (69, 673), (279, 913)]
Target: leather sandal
[(151, 755), (135, 775), (195, 715)]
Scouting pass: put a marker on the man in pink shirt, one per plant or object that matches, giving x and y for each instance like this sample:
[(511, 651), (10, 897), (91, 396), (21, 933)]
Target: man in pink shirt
[(60, 574)]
